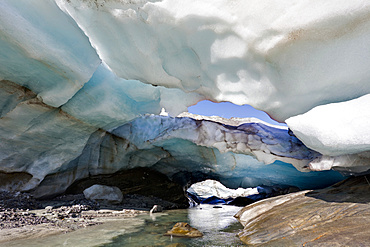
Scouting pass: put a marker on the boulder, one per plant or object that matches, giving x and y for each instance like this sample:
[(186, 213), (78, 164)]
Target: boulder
[(103, 193)]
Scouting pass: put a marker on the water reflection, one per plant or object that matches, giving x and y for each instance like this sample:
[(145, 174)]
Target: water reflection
[(218, 225), (207, 218)]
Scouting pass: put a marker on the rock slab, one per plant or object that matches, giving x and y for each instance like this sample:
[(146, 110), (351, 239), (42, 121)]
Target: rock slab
[(334, 216)]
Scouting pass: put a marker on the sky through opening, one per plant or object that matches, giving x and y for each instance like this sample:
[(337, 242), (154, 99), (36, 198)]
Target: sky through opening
[(229, 110)]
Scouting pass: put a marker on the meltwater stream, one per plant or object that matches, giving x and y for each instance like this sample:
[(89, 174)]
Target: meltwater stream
[(218, 225)]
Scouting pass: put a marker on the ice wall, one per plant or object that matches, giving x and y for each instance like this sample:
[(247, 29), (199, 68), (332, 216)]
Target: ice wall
[(176, 147), (108, 101), (261, 141), (36, 139), (48, 149)]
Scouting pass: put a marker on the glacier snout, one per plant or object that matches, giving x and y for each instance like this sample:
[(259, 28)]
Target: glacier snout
[(79, 81)]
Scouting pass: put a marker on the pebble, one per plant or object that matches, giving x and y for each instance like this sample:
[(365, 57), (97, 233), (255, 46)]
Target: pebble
[(14, 212)]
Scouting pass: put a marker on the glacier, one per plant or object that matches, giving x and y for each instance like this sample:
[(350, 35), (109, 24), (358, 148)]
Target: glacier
[(82, 84)]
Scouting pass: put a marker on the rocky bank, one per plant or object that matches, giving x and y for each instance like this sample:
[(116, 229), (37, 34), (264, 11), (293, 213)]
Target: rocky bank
[(22, 216)]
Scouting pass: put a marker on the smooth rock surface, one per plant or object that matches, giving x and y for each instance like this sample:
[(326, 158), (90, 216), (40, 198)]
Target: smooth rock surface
[(335, 216)]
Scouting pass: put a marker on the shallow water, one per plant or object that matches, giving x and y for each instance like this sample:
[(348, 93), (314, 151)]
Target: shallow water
[(218, 225)]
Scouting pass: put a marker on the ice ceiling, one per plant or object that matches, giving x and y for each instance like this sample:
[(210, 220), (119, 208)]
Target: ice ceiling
[(77, 78)]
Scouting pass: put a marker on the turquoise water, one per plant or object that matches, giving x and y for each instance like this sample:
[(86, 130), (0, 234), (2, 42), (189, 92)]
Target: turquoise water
[(218, 225)]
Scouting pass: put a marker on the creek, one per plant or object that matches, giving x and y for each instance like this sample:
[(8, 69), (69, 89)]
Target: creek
[(217, 224)]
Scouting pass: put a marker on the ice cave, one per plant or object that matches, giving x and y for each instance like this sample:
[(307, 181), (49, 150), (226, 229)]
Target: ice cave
[(83, 84)]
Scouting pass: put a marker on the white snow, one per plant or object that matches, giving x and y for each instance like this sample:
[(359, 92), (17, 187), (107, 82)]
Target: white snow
[(335, 129), (340, 131)]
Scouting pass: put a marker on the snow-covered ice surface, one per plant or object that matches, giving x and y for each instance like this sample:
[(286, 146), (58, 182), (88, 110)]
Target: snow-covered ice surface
[(335, 129)]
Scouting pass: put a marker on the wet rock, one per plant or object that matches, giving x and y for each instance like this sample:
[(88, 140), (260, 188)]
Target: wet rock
[(182, 229), (334, 216), (104, 193)]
